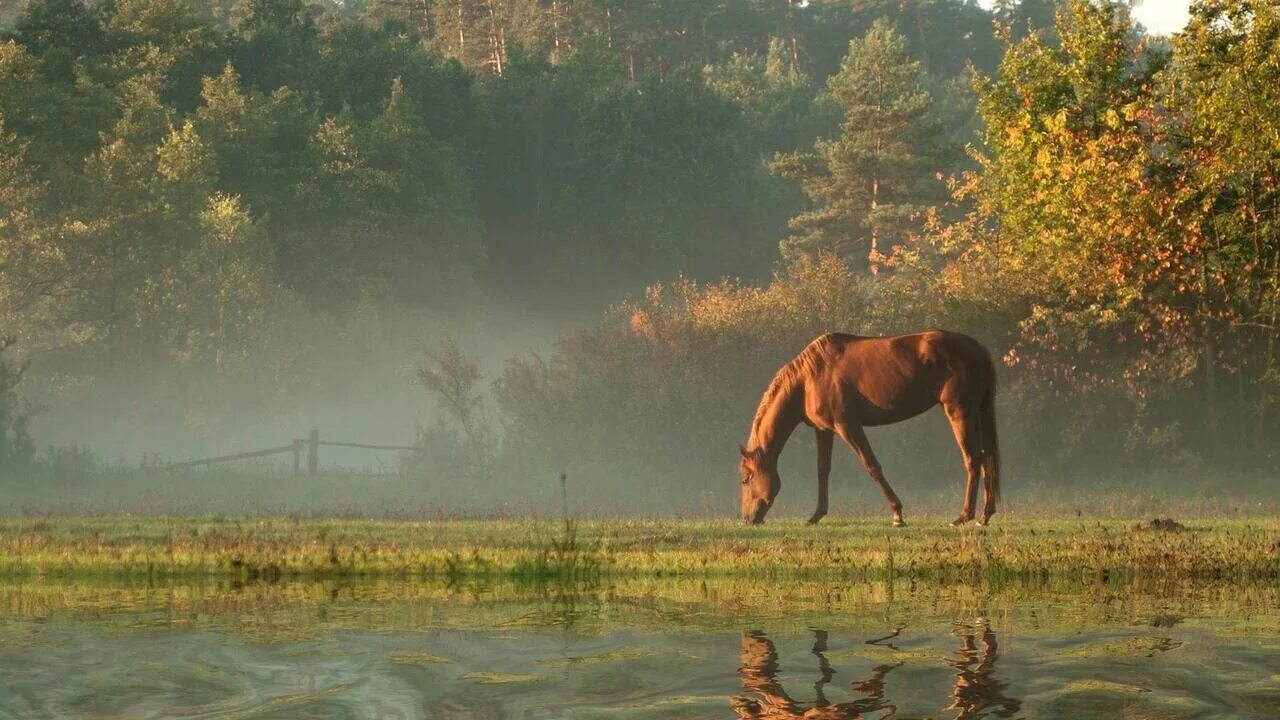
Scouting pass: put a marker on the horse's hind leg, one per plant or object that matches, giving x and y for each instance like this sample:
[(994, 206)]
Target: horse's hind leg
[(824, 473), (857, 441), (964, 424)]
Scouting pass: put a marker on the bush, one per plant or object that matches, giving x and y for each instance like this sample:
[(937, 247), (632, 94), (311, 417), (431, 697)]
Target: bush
[(462, 438)]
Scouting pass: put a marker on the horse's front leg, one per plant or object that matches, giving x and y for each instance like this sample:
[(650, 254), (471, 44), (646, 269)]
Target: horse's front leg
[(825, 440), (854, 436)]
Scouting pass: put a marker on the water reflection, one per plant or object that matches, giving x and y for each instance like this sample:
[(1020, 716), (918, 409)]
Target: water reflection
[(975, 692), (634, 650), (976, 689)]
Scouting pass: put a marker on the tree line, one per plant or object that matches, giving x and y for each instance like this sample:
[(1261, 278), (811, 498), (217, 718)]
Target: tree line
[(194, 189), (179, 181)]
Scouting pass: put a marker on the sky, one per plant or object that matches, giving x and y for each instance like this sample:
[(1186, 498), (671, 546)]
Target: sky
[(1160, 17)]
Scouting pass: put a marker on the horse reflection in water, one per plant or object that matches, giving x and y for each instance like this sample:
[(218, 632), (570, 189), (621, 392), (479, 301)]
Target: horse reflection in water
[(759, 671), (975, 693)]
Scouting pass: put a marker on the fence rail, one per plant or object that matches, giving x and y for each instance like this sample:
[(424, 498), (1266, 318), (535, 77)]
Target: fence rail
[(312, 445), (229, 458), (335, 443)]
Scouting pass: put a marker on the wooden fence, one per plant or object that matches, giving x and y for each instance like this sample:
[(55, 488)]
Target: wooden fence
[(311, 444)]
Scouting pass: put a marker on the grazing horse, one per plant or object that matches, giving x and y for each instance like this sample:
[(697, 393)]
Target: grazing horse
[(840, 384)]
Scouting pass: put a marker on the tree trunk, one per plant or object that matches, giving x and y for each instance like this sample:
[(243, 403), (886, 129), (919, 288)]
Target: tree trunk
[(496, 40), (462, 36), (1264, 441), (555, 31), (791, 24), (1212, 422), (874, 255)]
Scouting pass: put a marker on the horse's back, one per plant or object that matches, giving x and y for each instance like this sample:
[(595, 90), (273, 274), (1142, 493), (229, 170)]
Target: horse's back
[(926, 347), (887, 379)]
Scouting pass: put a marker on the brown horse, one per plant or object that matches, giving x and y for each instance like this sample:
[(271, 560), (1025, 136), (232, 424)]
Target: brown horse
[(840, 384)]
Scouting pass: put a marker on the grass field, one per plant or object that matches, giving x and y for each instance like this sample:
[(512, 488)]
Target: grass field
[(1236, 549)]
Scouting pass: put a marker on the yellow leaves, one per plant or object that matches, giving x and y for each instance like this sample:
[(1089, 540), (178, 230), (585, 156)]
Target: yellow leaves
[(224, 220), (1111, 119), (184, 156), (335, 142), (223, 101), (15, 60), (1057, 122), (641, 325)]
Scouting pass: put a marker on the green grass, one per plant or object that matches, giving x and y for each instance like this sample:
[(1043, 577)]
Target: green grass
[(309, 608), (274, 548)]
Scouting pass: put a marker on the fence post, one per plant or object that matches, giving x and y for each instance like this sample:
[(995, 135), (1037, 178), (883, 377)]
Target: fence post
[(313, 454), (297, 458)]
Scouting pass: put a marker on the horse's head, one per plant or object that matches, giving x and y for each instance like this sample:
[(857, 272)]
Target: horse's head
[(760, 484)]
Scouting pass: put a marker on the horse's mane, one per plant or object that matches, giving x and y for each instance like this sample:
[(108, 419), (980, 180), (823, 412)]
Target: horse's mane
[(809, 362)]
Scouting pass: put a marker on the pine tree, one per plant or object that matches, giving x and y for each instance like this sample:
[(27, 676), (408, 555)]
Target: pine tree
[(869, 185)]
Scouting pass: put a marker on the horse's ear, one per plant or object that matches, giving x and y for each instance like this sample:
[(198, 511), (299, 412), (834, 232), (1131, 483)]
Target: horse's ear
[(742, 449)]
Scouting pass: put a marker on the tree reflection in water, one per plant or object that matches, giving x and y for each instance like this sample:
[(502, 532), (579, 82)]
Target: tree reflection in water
[(975, 693)]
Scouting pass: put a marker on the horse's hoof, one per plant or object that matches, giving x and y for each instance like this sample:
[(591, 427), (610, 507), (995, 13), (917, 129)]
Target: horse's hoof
[(959, 521), (899, 522), (814, 520), (982, 523)]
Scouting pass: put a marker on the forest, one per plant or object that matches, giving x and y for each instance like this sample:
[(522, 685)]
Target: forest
[(217, 212)]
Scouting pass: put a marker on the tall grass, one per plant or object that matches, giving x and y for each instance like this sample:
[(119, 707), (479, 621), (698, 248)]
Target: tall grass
[(564, 556)]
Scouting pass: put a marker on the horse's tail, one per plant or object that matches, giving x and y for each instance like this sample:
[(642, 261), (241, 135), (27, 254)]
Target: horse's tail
[(990, 443)]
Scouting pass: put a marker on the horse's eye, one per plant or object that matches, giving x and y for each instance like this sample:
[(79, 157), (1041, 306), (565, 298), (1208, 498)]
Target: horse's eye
[(745, 479)]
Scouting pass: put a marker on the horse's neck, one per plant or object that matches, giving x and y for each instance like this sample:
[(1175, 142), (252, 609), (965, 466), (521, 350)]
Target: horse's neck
[(778, 421)]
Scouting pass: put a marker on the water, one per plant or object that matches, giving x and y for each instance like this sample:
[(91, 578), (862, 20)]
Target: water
[(636, 650)]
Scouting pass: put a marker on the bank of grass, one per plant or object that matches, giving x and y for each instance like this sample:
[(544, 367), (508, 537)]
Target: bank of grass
[(1075, 549), (314, 607)]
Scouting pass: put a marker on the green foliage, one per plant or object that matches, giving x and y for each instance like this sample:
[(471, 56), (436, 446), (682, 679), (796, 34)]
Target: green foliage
[(572, 138), (781, 106), (215, 300), (869, 186), (383, 199)]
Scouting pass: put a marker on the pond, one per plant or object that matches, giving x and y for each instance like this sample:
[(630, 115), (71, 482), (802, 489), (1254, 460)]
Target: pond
[(636, 649)]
